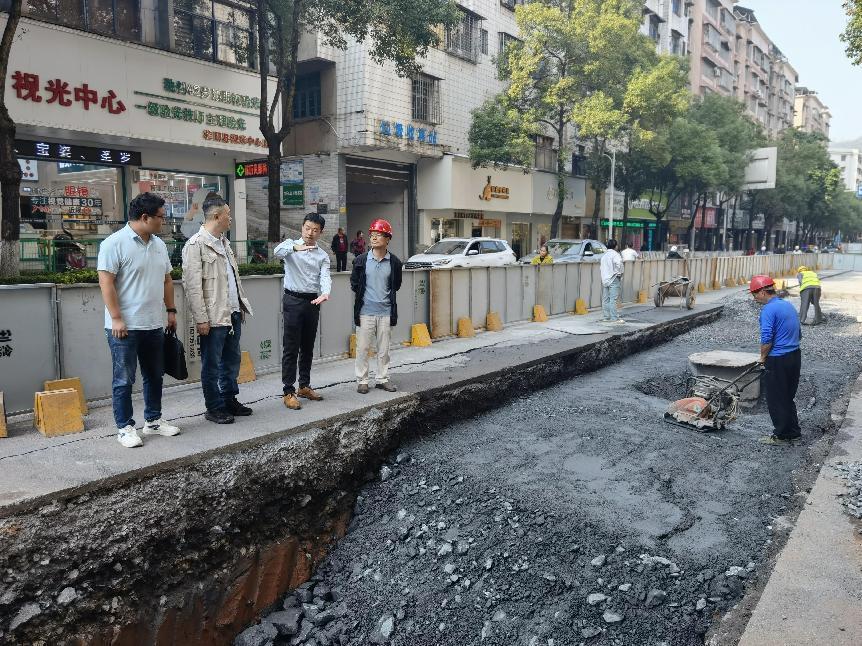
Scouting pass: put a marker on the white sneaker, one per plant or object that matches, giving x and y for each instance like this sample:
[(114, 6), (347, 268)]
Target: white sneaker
[(128, 437), (158, 427), (619, 322)]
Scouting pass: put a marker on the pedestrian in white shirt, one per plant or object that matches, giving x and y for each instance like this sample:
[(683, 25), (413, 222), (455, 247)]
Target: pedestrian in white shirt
[(307, 284), (628, 253), (612, 273)]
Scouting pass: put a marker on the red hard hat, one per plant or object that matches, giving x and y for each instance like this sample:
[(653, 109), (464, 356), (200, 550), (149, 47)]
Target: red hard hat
[(381, 226), (759, 282)]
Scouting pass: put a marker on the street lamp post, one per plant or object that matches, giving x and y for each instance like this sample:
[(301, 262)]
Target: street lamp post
[(613, 158)]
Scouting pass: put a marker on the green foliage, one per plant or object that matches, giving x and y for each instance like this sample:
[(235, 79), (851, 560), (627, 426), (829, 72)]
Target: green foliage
[(92, 276), (852, 35), (497, 137)]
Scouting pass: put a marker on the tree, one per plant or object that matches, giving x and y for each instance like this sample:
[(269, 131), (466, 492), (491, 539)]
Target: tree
[(400, 31), (10, 171), (852, 35), (496, 137), (573, 70), (737, 135), (806, 184)]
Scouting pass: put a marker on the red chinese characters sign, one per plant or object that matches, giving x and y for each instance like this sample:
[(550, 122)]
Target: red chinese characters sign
[(28, 87)]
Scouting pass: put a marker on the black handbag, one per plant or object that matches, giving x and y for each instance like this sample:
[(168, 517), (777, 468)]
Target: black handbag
[(175, 356)]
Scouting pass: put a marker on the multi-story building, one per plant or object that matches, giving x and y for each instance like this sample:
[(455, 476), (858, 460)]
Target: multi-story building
[(811, 114), (752, 66), (666, 22), (712, 40), (782, 93), (165, 96), (113, 99), (374, 144), (849, 160)]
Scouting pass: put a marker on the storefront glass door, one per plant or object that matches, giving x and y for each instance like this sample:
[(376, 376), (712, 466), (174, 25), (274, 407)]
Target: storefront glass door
[(520, 238)]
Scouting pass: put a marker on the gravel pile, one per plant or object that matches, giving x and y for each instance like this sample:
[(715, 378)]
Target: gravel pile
[(851, 500), (571, 516)]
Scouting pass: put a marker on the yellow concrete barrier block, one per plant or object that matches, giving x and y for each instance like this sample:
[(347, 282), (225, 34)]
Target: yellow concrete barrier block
[(779, 284), (730, 282), (580, 307), (493, 323), (465, 328), (71, 382), (419, 335), (701, 288), (643, 296), (3, 430), (57, 412), (716, 285), (246, 369), (539, 314)]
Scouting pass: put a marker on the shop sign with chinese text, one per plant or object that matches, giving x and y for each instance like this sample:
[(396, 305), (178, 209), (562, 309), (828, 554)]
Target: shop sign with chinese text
[(129, 92)]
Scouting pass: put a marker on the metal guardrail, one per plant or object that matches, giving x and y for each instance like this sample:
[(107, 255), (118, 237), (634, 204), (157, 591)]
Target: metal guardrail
[(53, 331)]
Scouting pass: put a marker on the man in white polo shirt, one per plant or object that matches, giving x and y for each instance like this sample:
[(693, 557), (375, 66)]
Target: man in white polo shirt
[(135, 279)]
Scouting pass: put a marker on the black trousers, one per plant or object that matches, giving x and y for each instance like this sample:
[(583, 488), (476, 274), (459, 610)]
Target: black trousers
[(781, 380), (341, 261), (300, 331), (810, 296)]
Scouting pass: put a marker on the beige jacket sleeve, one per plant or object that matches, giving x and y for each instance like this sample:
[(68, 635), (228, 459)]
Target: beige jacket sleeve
[(193, 281)]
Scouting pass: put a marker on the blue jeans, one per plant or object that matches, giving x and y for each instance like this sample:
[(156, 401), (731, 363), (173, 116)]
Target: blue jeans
[(610, 293), (144, 348), (220, 358)]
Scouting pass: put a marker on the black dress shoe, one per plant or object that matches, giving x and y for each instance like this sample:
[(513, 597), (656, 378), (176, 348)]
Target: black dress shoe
[(387, 386), (219, 416), (236, 409)]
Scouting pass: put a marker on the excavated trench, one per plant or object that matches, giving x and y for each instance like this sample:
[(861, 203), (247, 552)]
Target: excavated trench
[(575, 515), (196, 550)]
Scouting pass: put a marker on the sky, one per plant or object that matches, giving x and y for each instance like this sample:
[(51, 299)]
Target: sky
[(807, 31)]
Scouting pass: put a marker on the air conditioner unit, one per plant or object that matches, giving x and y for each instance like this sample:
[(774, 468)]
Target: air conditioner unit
[(716, 72)]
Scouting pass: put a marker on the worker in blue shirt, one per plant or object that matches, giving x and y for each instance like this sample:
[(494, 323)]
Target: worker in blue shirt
[(780, 334)]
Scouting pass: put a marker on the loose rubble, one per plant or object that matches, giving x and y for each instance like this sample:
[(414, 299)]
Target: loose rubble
[(570, 516), (851, 500)]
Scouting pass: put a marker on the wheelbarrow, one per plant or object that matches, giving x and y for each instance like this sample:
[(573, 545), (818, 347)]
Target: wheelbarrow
[(680, 287)]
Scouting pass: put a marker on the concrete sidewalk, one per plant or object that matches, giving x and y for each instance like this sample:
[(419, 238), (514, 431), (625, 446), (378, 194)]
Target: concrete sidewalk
[(33, 466), (814, 594)]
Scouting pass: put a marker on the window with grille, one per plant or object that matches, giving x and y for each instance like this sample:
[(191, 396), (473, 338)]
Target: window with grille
[(120, 18), (426, 99), (217, 31), (546, 156), (511, 4), (505, 40), (483, 41), (306, 98), (462, 38)]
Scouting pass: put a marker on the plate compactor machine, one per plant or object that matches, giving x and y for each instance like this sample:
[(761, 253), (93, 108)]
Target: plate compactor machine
[(710, 402)]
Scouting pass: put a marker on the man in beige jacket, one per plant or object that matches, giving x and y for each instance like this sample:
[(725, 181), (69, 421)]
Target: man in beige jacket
[(218, 306)]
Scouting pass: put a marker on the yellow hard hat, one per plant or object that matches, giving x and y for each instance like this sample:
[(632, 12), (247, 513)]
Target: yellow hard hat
[(801, 269)]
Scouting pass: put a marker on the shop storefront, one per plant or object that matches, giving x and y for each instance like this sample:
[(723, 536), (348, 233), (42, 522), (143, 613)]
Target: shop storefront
[(456, 200), (133, 119)]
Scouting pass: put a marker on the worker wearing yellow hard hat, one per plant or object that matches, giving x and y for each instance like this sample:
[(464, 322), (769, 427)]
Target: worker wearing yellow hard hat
[(809, 294)]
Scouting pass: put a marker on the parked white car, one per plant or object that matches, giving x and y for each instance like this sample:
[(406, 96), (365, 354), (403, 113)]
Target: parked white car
[(463, 252)]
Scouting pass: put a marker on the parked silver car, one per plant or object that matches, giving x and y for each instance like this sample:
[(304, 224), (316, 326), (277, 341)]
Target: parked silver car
[(569, 250)]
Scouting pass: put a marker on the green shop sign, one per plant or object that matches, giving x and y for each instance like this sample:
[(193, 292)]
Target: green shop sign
[(293, 195), (178, 113), (211, 94), (631, 224)]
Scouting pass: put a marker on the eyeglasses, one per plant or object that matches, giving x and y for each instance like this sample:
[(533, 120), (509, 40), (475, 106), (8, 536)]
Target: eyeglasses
[(376, 235), (163, 217)]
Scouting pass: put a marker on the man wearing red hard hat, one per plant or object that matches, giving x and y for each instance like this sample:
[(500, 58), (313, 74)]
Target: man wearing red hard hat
[(780, 334), (375, 279)]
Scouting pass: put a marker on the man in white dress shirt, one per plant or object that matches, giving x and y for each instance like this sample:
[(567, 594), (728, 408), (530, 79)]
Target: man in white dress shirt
[(307, 284)]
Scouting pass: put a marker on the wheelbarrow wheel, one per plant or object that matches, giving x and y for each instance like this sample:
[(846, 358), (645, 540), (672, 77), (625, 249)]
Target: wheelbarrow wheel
[(658, 299), (690, 297)]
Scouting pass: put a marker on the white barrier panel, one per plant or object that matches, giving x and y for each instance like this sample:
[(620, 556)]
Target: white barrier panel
[(28, 347)]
